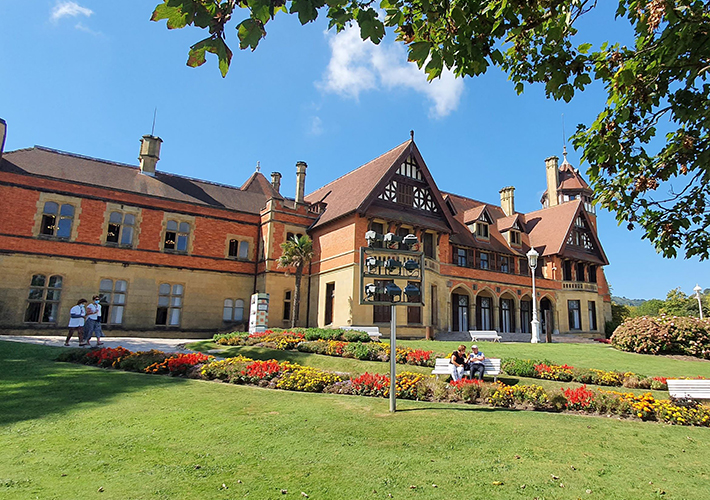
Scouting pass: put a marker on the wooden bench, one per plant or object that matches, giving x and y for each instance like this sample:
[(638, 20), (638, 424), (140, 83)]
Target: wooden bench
[(477, 335), (443, 367), (372, 331), (688, 389)]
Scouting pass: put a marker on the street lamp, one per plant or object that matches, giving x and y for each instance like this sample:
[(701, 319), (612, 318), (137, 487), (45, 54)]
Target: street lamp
[(535, 324), (697, 291)]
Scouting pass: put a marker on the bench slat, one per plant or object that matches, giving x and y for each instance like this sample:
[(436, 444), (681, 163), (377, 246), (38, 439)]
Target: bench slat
[(443, 367), (693, 389)]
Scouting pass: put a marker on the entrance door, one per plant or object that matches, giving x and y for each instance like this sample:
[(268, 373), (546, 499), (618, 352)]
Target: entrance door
[(506, 315), (460, 312)]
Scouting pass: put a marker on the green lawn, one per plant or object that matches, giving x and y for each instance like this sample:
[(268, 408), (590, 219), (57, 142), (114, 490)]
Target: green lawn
[(67, 430)]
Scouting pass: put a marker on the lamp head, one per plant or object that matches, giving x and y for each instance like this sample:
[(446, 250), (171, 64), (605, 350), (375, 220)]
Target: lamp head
[(412, 290), (532, 258), (393, 291), (370, 290), (371, 237), (697, 289), (409, 241)]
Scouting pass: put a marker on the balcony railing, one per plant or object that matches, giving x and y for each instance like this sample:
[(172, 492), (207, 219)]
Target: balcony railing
[(431, 264), (579, 285)]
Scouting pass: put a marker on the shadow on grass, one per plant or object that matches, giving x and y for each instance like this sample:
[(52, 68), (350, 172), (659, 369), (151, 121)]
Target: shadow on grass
[(33, 384)]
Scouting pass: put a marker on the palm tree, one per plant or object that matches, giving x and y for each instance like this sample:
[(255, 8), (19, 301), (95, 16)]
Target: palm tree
[(296, 253)]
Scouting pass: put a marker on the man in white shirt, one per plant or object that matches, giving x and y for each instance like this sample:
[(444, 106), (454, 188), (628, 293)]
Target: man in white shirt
[(93, 322), (76, 322)]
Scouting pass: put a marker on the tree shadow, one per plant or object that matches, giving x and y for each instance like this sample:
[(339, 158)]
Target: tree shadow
[(34, 385)]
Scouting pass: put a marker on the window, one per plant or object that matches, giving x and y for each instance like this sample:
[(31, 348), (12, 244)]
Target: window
[(57, 220), (514, 238), (414, 313), (462, 255), (169, 304), (483, 258), (329, 300), (567, 270), (525, 315), (113, 300), (381, 314), (592, 306), (43, 299), (524, 267), (482, 230), (238, 249), (428, 241), (287, 305), (504, 264), (592, 274), (506, 316), (121, 228), (580, 272), (434, 306), (244, 250), (233, 310), (484, 313), (176, 236), (405, 194), (575, 319), (233, 248)]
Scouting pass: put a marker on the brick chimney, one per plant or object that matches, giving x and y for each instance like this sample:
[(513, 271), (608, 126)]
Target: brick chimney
[(553, 179), (300, 180), (276, 181), (150, 154), (507, 200), (3, 133)]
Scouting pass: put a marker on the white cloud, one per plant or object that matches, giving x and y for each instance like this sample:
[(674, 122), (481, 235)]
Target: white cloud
[(316, 126), (356, 66), (69, 9), (86, 29)]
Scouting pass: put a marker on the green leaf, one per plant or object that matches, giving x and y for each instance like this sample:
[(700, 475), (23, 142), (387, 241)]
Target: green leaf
[(177, 13), (307, 10), (197, 54), (418, 52), (584, 48), (250, 32)]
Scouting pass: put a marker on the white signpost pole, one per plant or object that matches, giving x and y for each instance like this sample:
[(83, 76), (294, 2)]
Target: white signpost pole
[(393, 360)]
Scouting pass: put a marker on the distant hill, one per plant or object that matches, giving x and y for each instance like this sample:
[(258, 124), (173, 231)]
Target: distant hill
[(623, 301)]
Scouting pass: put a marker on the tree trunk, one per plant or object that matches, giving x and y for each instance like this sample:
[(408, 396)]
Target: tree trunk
[(296, 296)]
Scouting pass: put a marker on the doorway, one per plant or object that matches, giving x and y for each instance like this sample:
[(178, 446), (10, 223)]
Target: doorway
[(460, 312)]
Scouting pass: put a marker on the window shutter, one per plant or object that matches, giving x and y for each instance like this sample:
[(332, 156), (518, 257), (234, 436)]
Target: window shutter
[(493, 261), (454, 255), (470, 257), (478, 259)]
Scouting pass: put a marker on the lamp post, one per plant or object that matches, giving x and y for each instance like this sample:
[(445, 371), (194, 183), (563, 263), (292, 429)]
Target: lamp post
[(534, 324), (697, 291)]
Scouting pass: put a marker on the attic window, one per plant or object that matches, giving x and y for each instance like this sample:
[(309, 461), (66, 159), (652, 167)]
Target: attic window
[(514, 238), (482, 230), (410, 169)]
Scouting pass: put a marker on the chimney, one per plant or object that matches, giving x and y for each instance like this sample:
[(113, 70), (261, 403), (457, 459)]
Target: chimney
[(507, 200), (3, 133), (276, 181), (300, 180), (553, 179), (150, 154)]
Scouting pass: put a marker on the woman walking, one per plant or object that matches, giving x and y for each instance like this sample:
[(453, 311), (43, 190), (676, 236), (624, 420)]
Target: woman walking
[(76, 322)]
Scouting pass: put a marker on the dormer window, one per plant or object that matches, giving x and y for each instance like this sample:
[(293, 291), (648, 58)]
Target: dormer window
[(514, 238), (482, 230)]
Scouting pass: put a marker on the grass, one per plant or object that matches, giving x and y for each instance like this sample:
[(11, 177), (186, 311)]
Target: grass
[(67, 430)]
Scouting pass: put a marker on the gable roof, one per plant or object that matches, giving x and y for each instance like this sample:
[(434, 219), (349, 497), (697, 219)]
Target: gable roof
[(50, 163), (548, 229), (259, 184), (357, 190)]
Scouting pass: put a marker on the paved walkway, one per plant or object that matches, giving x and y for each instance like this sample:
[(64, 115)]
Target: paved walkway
[(131, 343)]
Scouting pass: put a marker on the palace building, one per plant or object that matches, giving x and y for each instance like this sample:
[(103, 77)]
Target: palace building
[(176, 256)]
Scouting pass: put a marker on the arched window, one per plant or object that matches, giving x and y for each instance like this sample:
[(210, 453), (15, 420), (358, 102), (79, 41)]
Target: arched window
[(43, 299)]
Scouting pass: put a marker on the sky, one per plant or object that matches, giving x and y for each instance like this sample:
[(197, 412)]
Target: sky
[(86, 77)]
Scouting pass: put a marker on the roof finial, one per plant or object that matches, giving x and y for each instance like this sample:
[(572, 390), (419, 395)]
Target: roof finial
[(411, 134), (258, 166)]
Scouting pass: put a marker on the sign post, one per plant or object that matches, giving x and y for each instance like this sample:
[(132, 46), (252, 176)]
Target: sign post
[(397, 278)]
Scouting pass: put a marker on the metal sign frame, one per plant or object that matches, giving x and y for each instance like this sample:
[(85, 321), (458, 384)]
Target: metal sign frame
[(381, 271)]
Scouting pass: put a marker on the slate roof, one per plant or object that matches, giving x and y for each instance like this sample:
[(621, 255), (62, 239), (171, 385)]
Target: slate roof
[(50, 163)]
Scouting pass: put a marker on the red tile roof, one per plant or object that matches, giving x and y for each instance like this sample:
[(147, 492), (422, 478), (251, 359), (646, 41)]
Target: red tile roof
[(50, 163)]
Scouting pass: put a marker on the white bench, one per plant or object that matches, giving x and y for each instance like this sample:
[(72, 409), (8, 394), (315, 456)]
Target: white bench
[(444, 367), (688, 389), (372, 331), (477, 335)]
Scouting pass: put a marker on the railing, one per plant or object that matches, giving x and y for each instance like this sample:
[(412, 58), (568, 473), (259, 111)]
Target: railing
[(579, 285), (431, 265)]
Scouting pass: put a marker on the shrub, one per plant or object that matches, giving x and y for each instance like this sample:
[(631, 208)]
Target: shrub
[(370, 384), (579, 399), (369, 351), (233, 338), (316, 347), (582, 375), (72, 355), (521, 367), (355, 336), (139, 361), (664, 335)]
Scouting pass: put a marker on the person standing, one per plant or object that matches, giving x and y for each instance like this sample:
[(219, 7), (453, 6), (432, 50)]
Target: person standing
[(76, 322), (475, 362), (93, 322)]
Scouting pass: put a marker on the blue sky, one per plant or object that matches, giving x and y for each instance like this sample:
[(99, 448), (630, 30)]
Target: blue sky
[(85, 76)]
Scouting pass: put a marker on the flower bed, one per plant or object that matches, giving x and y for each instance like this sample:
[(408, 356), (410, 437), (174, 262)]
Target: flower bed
[(565, 373), (409, 385)]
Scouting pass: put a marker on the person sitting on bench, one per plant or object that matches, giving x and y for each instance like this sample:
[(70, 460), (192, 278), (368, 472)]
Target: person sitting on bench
[(475, 362), (458, 362)]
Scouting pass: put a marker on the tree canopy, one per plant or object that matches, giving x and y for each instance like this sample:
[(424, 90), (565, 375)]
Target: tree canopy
[(658, 86)]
